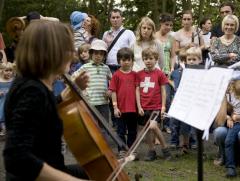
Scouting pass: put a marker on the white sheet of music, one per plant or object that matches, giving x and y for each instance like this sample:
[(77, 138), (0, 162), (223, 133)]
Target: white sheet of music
[(199, 96)]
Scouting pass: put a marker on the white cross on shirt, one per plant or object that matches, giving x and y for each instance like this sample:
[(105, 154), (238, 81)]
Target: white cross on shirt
[(146, 84)]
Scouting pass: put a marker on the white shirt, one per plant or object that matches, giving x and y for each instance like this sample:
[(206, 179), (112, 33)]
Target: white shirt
[(125, 40), (137, 50), (207, 39)]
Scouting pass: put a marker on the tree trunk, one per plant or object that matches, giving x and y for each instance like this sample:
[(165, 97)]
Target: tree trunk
[(92, 7), (200, 10), (174, 8), (156, 13), (164, 6), (186, 5)]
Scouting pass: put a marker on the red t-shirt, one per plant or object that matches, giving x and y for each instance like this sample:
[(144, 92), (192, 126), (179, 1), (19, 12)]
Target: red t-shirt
[(2, 45), (124, 84), (150, 88)]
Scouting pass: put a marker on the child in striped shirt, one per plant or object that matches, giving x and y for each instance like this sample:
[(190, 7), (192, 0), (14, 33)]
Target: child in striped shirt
[(99, 75)]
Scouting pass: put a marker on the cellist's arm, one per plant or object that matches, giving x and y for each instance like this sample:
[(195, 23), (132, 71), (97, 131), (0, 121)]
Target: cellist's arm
[(49, 173)]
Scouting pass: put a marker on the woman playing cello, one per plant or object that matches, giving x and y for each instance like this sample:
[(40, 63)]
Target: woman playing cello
[(34, 129)]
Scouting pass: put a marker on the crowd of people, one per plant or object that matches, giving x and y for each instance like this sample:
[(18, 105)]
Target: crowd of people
[(126, 76)]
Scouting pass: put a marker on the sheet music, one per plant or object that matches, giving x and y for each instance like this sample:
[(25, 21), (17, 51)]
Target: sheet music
[(199, 96)]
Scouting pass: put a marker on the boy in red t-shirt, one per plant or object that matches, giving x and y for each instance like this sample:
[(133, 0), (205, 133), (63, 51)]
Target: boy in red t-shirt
[(151, 96), (123, 87)]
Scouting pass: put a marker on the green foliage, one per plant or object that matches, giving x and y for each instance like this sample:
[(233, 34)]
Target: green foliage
[(133, 10)]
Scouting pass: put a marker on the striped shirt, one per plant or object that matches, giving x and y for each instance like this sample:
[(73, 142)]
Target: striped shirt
[(98, 82)]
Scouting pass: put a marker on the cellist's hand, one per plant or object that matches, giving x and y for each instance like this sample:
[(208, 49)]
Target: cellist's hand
[(82, 80)]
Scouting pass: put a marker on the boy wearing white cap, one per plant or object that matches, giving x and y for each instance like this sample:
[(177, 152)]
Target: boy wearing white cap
[(99, 75)]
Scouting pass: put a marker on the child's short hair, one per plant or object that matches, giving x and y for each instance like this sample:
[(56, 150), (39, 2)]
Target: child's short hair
[(83, 47), (182, 55), (194, 51), (150, 52), (8, 65), (125, 53)]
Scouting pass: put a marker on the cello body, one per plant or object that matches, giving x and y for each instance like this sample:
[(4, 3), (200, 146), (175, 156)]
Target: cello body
[(86, 141)]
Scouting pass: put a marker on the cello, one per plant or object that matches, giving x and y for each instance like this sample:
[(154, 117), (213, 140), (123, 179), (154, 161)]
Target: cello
[(84, 137)]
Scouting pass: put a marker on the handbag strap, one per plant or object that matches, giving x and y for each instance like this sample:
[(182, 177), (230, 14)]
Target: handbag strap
[(115, 39)]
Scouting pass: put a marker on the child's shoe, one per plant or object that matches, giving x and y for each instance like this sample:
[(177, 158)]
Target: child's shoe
[(121, 154), (231, 172), (194, 146), (185, 149), (135, 156), (218, 162), (173, 146), (166, 154), (152, 155)]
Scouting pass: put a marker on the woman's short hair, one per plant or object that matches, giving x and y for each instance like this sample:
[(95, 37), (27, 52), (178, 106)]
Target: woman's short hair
[(233, 17), (166, 17), (203, 21), (149, 22), (44, 48)]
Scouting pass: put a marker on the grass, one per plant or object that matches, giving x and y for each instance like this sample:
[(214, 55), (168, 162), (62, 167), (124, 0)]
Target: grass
[(181, 168)]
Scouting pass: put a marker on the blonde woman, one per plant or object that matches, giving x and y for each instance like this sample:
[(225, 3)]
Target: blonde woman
[(225, 49), (145, 38)]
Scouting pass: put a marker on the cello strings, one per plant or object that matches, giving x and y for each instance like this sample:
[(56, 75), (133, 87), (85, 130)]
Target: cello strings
[(135, 145)]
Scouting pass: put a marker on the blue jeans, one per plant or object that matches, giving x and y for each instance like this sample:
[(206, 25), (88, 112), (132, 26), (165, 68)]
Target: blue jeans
[(192, 139), (175, 127), (219, 135), (230, 141), (178, 128), (169, 94)]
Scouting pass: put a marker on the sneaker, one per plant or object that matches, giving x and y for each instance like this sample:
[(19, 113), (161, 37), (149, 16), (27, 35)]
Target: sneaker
[(194, 146), (166, 154), (185, 149), (168, 130), (152, 155), (121, 154), (218, 162), (2, 133), (231, 172), (173, 146), (135, 155)]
